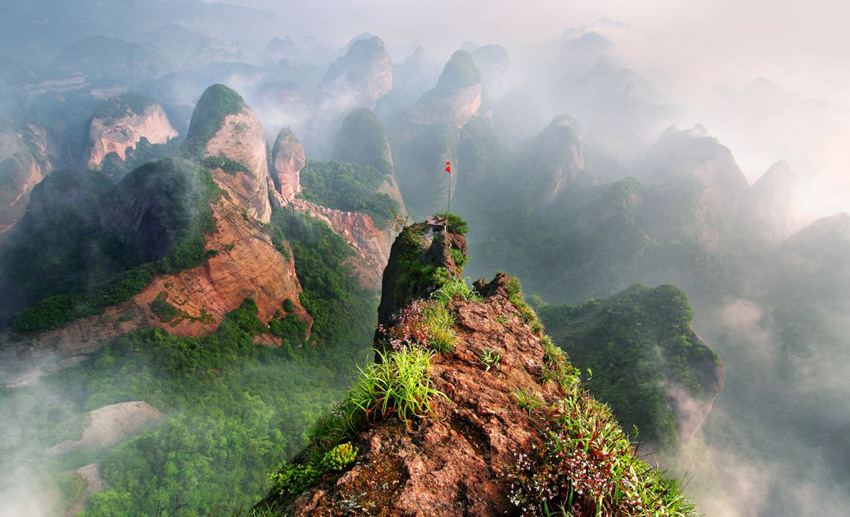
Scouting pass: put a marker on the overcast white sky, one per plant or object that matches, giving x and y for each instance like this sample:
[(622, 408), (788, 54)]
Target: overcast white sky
[(683, 47), (804, 45)]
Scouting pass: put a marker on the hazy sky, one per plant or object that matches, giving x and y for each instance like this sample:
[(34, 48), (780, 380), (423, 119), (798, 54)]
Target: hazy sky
[(801, 44)]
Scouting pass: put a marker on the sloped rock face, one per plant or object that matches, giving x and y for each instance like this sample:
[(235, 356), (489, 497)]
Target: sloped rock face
[(364, 72), (242, 140), (24, 161), (453, 464), (455, 99), (694, 153), (287, 161), (371, 243), (124, 129)]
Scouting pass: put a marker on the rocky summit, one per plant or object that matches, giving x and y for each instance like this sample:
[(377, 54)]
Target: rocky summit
[(469, 410)]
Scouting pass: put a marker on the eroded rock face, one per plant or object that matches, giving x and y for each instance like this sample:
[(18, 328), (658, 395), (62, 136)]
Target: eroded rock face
[(25, 159), (242, 140), (117, 134), (770, 205), (287, 161), (372, 243), (454, 463)]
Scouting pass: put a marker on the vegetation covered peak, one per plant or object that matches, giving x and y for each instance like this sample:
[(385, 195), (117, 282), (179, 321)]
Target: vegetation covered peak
[(128, 104), (216, 103), (459, 72)]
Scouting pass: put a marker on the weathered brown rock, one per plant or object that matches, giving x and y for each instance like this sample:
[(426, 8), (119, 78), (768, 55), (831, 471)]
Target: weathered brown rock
[(242, 140), (454, 463), (118, 134), (287, 161)]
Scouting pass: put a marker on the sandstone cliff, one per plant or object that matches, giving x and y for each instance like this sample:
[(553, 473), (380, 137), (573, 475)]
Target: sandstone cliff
[(225, 131), (370, 242), (362, 139), (287, 160), (246, 265), (25, 159), (769, 208), (556, 159), (120, 123)]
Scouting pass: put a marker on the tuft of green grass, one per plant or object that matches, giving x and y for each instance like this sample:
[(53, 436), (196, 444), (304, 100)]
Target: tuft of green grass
[(490, 359), (440, 323), (399, 384), (514, 289), (455, 290), (527, 400)]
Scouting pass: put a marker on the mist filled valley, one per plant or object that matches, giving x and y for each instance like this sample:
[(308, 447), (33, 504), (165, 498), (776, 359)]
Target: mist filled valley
[(207, 209)]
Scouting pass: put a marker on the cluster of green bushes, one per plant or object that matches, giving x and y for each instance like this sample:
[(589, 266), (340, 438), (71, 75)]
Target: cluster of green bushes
[(343, 311), (347, 186), (124, 105), (225, 164), (234, 409), (636, 342)]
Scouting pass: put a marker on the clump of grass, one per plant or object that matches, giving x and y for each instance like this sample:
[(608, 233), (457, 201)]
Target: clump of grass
[(455, 290), (527, 400), (421, 324), (490, 359), (556, 366), (439, 322), (588, 467), (399, 384)]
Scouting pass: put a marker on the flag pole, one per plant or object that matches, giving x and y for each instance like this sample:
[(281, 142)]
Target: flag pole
[(449, 171)]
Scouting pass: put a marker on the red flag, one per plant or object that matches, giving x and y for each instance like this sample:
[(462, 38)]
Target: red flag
[(448, 168)]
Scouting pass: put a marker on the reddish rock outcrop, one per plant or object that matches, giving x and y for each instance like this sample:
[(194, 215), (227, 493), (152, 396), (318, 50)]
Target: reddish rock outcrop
[(117, 134), (242, 140), (24, 161), (286, 163), (453, 463), (371, 243)]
